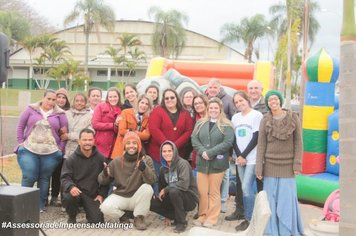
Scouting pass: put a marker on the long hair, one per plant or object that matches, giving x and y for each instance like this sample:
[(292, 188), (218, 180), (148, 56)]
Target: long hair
[(179, 104), (243, 95), (156, 101), (144, 96), (221, 121), (77, 95), (205, 101), (119, 104)]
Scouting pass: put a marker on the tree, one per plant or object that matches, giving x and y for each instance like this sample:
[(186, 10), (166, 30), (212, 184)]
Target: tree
[(94, 13), (248, 30), (169, 37), (347, 119), (288, 18), (15, 26)]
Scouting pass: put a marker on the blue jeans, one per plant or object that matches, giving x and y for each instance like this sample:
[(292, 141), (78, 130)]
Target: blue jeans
[(224, 191), (37, 168), (248, 179)]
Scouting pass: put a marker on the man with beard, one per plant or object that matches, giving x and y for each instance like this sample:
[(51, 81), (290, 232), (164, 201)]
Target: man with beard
[(133, 174), (79, 180)]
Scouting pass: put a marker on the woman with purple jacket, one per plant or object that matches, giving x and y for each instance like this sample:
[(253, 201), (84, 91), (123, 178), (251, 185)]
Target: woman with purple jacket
[(40, 148)]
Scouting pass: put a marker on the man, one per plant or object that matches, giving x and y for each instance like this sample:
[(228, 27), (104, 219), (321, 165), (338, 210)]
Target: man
[(133, 174), (215, 90), (94, 98), (254, 92), (79, 180), (179, 192)]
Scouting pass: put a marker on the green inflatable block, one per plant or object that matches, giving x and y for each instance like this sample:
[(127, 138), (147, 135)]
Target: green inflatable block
[(313, 189)]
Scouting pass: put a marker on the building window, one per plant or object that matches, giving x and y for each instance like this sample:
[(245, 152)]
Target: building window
[(102, 72)]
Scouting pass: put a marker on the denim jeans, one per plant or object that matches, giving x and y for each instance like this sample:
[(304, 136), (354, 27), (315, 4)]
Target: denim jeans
[(37, 168), (225, 187), (248, 178)]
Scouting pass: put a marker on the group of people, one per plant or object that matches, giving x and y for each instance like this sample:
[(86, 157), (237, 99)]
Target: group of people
[(120, 160)]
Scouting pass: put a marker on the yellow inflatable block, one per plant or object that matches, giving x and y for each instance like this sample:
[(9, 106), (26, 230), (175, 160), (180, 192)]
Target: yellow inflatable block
[(316, 118), (325, 68), (156, 67), (264, 73)]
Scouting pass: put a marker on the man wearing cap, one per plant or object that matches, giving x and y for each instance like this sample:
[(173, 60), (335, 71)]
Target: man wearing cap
[(133, 174)]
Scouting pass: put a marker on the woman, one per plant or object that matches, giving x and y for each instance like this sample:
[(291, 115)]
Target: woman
[(105, 122), (187, 96), (133, 120), (200, 108), (152, 92), (279, 159), (63, 102), (246, 124), (130, 93), (62, 99), (168, 122), (212, 138), (79, 118), (40, 148)]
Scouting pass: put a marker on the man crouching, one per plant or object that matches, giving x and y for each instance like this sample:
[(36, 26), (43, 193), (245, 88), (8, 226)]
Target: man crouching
[(179, 192), (133, 174)]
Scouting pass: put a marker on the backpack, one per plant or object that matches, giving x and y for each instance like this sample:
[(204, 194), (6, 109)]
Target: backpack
[(331, 208)]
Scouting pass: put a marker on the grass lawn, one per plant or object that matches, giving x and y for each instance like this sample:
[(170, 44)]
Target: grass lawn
[(10, 169)]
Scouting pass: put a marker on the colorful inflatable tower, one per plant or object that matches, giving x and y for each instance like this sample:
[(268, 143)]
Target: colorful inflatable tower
[(321, 72)]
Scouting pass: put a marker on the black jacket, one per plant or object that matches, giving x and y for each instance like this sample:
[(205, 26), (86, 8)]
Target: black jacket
[(179, 175), (82, 172)]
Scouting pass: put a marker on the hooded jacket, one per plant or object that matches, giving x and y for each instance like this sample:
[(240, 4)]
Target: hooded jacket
[(178, 175), (82, 172), (32, 114), (229, 107)]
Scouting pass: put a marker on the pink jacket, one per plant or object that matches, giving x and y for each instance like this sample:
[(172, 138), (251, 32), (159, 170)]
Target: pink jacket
[(105, 131)]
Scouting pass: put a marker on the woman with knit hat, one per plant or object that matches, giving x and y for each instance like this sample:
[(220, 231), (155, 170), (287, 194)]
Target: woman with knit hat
[(279, 159), (63, 102)]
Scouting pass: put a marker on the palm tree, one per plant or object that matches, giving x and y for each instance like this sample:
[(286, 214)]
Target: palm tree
[(30, 44), (137, 56), (248, 30), (169, 36), (93, 13), (288, 18), (347, 119)]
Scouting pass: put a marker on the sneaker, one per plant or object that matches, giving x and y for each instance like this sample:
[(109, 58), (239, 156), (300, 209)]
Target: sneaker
[(53, 201), (242, 226), (139, 222), (196, 216), (234, 216), (72, 220), (180, 228), (42, 210)]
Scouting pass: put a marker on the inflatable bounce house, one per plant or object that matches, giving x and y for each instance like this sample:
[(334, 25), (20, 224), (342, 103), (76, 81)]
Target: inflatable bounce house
[(166, 73), (320, 174)]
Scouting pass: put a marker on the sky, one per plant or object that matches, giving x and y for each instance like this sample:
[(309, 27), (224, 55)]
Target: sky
[(207, 17)]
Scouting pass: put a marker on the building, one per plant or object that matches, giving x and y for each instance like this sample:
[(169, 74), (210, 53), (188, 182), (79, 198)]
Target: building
[(102, 71)]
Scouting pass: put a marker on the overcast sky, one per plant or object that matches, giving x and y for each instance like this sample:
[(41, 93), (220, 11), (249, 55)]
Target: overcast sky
[(207, 16)]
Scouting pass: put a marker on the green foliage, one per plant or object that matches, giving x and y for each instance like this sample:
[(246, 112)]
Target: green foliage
[(169, 37), (15, 26), (248, 30)]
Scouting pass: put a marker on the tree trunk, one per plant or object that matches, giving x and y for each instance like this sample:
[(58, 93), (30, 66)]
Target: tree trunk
[(347, 121), (86, 53)]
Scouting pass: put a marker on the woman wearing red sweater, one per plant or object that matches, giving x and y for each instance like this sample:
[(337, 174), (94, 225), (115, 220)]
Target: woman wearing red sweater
[(105, 122), (168, 122)]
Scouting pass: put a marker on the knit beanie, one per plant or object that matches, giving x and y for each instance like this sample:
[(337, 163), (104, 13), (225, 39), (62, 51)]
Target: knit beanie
[(62, 91), (273, 92), (133, 136)]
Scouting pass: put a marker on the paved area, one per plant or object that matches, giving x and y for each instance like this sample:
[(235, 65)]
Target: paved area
[(8, 134), (157, 228)]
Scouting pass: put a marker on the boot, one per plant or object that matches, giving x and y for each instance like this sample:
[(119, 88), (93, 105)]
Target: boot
[(139, 222)]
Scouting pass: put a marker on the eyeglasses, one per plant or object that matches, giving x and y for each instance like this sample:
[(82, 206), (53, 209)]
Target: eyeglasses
[(198, 103), (169, 98), (188, 97)]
